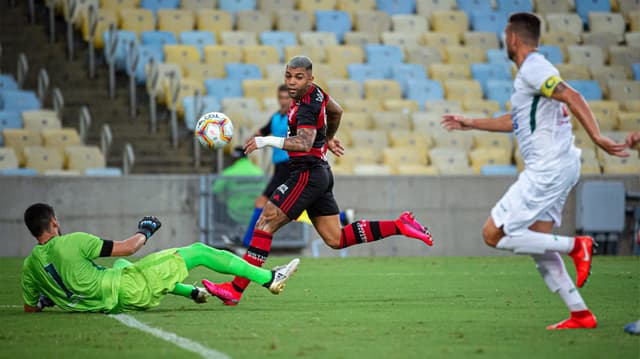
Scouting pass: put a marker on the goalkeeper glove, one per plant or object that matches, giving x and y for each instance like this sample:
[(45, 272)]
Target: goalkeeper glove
[(148, 226)]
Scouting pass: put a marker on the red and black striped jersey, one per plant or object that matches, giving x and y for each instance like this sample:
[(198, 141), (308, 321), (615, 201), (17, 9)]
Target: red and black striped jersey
[(310, 112)]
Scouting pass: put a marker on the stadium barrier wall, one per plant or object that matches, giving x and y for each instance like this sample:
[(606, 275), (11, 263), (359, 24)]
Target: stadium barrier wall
[(455, 208)]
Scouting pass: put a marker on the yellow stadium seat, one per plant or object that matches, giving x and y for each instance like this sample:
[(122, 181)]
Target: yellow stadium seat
[(492, 140), (340, 56), (489, 156), (454, 139), (582, 139), (485, 40), (181, 55), (552, 6), (259, 89), (106, 17), (175, 20), (18, 139), (253, 21), (440, 107), (320, 39), (427, 7), (409, 23), (452, 21), (625, 56), (293, 21), (400, 105), (261, 55), (271, 7), (589, 162), (621, 165), (622, 91), (423, 55), (606, 112), (461, 90), (351, 121), (607, 22), (428, 123), (344, 89), (220, 54), (165, 72), (240, 109), (633, 17), (401, 39), (80, 158), (443, 72), (446, 157), (43, 159), (382, 89), (137, 20), (631, 105), (353, 156), (574, 71), (410, 139), (38, 120), (632, 38), (216, 21), (488, 108), (588, 55), (203, 71), (391, 121), (351, 6), (360, 105), (274, 72), (561, 39), (312, 6), (567, 22), (239, 38), (404, 156), (372, 170), (8, 158), (81, 11), (629, 121), (119, 4), (375, 140), (323, 73), (416, 170), (59, 139), (604, 74), (465, 54), (441, 40), (361, 38), (188, 87), (198, 4), (601, 39), (372, 21), (316, 54)]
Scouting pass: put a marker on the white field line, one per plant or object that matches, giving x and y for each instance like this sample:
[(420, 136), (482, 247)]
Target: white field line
[(184, 343), (10, 306)]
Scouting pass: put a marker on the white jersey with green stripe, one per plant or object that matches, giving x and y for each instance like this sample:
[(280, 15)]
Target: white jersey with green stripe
[(541, 124)]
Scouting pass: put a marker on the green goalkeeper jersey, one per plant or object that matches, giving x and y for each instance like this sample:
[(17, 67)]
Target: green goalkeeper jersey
[(63, 270)]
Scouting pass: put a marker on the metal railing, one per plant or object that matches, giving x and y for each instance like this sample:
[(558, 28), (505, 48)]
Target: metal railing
[(43, 86), (69, 16), (128, 159), (198, 109), (93, 25), (106, 139), (152, 83), (110, 57), (58, 102), (132, 64), (84, 122), (174, 92), (52, 21), (0, 58), (32, 11), (22, 69)]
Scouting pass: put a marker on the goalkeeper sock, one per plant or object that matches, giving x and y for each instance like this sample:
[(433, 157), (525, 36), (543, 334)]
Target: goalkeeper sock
[(183, 290), (366, 231), (224, 262), (246, 240), (256, 254)]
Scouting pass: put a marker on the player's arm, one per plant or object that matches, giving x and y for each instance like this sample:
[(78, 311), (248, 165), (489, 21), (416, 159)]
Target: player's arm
[(146, 228), (562, 92), (457, 122), (334, 114)]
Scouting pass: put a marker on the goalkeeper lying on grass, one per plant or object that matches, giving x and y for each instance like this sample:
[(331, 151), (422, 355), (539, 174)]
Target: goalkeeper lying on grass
[(60, 269)]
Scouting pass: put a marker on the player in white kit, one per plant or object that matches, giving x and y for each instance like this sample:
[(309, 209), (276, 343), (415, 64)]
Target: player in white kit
[(523, 218)]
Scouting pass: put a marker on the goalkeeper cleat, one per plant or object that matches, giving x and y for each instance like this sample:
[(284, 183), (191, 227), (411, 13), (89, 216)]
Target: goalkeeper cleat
[(199, 295), (281, 275), (410, 227), (224, 291), (582, 255), (579, 320)]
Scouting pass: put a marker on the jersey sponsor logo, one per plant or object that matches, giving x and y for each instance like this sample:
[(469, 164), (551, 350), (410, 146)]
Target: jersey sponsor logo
[(319, 96), (283, 188)]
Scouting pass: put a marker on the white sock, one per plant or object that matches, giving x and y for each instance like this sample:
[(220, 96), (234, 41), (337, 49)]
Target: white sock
[(530, 242), (554, 273)]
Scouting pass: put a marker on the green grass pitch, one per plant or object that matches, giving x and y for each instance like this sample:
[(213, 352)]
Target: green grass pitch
[(428, 307)]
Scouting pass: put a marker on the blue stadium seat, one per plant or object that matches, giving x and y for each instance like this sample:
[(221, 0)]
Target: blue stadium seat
[(221, 88), (384, 56), (240, 72), (636, 71), (552, 53), (145, 54), (334, 21), (424, 90), (18, 172), (473, 6), (199, 39), (396, 7), (18, 101), (233, 6), (279, 40), (103, 172), (589, 89), (489, 21), (499, 170), (210, 104), (155, 5), (511, 6), (362, 72), (9, 119), (124, 38), (584, 7), (7, 82), (485, 72), (498, 56), (405, 72), (158, 38), (499, 90)]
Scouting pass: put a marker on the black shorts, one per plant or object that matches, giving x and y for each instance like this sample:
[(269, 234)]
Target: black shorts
[(308, 188), (280, 175)]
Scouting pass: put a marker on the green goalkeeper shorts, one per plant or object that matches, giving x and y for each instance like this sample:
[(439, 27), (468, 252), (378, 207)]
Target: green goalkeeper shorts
[(146, 282)]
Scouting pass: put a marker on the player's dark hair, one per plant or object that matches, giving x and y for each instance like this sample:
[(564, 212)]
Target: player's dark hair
[(297, 62), (283, 88), (37, 218), (527, 26)]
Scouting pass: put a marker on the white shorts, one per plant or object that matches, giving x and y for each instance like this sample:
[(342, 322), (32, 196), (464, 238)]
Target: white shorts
[(535, 196)]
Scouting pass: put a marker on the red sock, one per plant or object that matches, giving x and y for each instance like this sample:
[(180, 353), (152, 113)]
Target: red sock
[(366, 231), (581, 313), (257, 253)]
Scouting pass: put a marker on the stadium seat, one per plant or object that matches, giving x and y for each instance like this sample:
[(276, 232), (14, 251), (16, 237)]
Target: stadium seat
[(165, 72), (574, 71), (625, 56), (352, 6), (358, 156), (253, 21), (38, 120), (209, 104), (320, 39), (629, 121), (158, 38), (391, 121), (355, 121), (155, 5), (123, 44), (423, 90), (81, 158), (552, 53), (500, 91), (409, 23), (175, 20), (7, 82), (441, 40), (560, 39), (43, 159), (219, 55), (565, 22), (443, 72), (146, 53), (80, 12), (362, 72), (486, 107), (358, 38), (18, 172), (275, 72), (474, 6), (489, 156), (18, 139), (552, 6), (372, 170), (234, 6), (222, 88), (203, 71), (259, 89), (499, 170), (489, 21), (361, 105), (8, 158), (187, 87), (238, 38), (604, 74), (119, 4), (295, 21), (382, 89), (607, 22), (18, 100), (9, 119), (401, 156), (216, 21), (181, 55), (239, 71), (323, 73), (315, 53), (198, 4), (606, 112), (448, 160), (465, 54), (396, 7), (440, 107), (636, 71), (400, 39), (633, 17), (585, 7), (238, 107), (454, 139), (620, 165), (375, 140), (461, 90), (260, 55), (485, 72), (427, 7), (279, 40), (59, 138), (423, 55), (334, 21), (454, 21), (199, 39), (427, 123), (405, 72), (400, 105), (105, 18), (623, 91), (410, 140), (497, 140), (498, 56), (344, 89), (601, 39), (271, 7), (137, 20), (340, 56), (511, 6), (484, 40), (373, 22), (586, 55), (384, 57)]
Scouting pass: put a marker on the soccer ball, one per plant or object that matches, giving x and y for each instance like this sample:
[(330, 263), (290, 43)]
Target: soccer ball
[(214, 130)]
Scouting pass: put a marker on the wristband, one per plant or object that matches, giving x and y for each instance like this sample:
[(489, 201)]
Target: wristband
[(271, 141)]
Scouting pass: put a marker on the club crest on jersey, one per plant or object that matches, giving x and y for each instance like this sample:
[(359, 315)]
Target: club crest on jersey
[(283, 188), (319, 96)]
